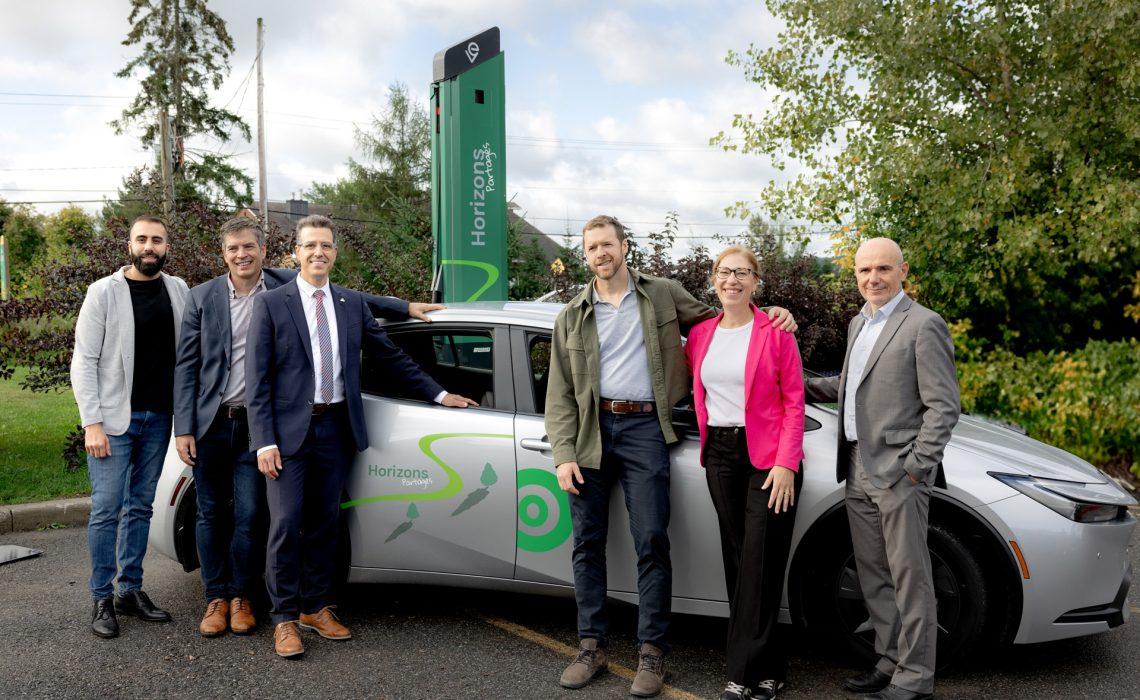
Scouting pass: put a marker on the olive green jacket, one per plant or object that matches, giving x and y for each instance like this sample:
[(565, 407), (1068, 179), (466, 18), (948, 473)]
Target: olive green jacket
[(573, 390)]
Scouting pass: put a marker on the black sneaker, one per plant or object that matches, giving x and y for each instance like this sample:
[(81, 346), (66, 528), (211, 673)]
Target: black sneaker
[(766, 690), (735, 691), (103, 621), (137, 603)]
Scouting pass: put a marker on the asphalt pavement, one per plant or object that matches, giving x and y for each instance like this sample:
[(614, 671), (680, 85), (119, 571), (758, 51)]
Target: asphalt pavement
[(428, 642)]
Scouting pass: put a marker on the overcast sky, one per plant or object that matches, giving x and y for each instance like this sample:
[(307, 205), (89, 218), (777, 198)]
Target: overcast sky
[(610, 105)]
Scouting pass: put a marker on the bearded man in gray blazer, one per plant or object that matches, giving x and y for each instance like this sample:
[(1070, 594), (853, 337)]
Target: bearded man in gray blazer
[(898, 402)]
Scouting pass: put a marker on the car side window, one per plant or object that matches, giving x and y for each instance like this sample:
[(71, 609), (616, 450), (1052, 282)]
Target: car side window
[(539, 351), (460, 361)]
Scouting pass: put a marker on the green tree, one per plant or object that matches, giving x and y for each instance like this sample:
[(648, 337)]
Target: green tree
[(22, 228), (185, 51), (998, 142), (386, 199)]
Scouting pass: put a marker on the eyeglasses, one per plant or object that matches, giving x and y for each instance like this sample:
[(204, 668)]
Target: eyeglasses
[(742, 273)]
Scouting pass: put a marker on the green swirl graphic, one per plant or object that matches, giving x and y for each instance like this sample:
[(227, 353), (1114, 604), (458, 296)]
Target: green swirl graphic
[(491, 270), (454, 482)]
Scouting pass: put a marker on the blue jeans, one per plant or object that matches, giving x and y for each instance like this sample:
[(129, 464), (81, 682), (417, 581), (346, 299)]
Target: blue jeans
[(123, 484), (230, 493), (633, 454)]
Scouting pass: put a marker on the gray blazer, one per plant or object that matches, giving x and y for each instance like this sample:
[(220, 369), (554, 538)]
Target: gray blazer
[(907, 402), (103, 363), (203, 366)]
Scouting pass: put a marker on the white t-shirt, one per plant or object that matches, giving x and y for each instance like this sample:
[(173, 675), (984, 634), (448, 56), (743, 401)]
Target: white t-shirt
[(722, 373)]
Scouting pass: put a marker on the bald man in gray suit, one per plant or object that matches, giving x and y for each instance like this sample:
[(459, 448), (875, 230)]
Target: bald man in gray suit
[(898, 401)]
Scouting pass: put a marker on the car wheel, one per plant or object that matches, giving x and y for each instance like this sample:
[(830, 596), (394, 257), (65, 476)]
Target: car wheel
[(833, 607)]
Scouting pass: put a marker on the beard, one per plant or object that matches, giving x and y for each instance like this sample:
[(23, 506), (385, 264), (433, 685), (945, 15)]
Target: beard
[(615, 267), (148, 268)]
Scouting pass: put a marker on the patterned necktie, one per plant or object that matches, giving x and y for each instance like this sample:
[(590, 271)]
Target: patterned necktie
[(325, 340)]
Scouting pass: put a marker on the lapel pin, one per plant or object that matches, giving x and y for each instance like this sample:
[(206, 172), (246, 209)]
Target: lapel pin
[(342, 300)]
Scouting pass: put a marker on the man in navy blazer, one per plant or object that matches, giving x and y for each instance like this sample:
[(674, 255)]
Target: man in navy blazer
[(305, 419), (210, 426)]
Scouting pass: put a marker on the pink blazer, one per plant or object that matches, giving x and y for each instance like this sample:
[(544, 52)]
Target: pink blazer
[(773, 392)]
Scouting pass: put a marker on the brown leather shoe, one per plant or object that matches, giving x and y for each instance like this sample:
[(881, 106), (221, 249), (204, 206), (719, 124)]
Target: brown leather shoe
[(214, 622), (287, 640), (650, 676), (241, 616), (591, 661), (324, 623)]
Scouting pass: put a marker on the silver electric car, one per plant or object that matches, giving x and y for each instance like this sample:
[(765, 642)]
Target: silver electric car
[(1028, 542)]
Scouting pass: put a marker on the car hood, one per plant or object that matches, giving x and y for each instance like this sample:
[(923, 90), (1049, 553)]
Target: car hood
[(1020, 452)]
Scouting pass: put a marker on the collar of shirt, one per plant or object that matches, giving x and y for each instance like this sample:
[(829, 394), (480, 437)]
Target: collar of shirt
[(884, 311), (260, 286), (597, 299), (308, 289)]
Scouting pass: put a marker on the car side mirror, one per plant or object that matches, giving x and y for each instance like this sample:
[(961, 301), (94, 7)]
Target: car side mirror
[(684, 417)]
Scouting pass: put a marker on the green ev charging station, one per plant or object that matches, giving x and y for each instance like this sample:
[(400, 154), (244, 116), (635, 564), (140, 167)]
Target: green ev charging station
[(468, 168)]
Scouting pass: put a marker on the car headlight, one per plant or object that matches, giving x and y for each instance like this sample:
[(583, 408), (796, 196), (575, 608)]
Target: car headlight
[(1080, 502)]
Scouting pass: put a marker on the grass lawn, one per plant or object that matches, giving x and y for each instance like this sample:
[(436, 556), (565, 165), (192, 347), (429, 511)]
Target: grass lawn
[(33, 428)]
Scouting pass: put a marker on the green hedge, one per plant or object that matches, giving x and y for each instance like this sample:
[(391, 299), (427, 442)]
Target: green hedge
[(1086, 401)]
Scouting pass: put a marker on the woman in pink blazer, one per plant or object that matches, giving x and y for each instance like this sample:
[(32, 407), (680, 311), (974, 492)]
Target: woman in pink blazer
[(749, 399)]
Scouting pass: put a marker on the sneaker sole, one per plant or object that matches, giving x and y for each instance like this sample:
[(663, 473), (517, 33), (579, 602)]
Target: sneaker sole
[(583, 684), (314, 629)]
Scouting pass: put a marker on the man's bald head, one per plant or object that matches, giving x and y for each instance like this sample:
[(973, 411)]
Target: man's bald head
[(880, 271)]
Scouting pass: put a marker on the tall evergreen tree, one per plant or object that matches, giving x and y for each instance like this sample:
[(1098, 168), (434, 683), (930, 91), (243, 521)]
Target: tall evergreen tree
[(185, 51)]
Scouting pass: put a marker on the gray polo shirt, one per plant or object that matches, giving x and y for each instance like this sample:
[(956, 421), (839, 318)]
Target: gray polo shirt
[(621, 346)]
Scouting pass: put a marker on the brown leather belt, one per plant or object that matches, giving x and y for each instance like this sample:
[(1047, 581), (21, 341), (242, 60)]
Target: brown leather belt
[(619, 406), (234, 412), (320, 409)]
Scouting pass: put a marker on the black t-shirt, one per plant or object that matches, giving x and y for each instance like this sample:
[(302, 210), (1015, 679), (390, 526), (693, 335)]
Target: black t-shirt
[(153, 388)]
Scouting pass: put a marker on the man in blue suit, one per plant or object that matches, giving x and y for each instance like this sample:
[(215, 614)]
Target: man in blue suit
[(305, 419), (210, 426)]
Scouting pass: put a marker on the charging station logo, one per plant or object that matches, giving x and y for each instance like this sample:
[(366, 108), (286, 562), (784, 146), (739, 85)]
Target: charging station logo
[(472, 52)]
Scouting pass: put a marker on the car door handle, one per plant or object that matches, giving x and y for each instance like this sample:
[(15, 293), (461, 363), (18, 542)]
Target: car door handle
[(535, 444)]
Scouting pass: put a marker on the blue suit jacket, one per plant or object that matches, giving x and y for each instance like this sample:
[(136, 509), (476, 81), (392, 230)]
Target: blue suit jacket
[(279, 372), (203, 365)]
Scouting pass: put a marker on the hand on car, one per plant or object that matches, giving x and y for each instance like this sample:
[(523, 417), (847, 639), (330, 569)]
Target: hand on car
[(419, 310), (568, 473), (457, 401)]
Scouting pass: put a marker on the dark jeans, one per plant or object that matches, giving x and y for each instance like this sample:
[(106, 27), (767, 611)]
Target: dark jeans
[(634, 454), (755, 542), (304, 518), (230, 495)]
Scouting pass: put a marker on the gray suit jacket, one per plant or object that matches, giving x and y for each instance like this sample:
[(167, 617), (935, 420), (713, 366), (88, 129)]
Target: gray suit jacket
[(907, 402), (103, 363), (203, 366)]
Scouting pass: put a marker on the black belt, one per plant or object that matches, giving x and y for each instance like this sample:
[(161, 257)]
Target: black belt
[(619, 406), (234, 412), (320, 409)]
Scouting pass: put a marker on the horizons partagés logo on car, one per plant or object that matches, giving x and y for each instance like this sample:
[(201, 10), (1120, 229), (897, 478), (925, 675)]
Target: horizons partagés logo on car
[(407, 477), (472, 52), (482, 184)]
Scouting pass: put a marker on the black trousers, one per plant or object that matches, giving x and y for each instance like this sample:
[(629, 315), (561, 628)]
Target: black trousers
[(755, 542)]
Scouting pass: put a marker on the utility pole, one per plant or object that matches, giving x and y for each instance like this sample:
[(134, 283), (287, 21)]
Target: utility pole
[(262, 187), (164, 155)]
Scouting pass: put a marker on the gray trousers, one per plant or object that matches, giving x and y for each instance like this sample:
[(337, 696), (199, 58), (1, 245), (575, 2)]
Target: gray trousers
[(888, 532)]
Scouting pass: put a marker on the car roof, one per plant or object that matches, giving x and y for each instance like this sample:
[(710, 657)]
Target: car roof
[(532, 313)]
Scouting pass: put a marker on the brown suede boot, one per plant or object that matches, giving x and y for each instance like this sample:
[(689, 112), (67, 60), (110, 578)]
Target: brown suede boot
[(650, 676), (589, 663)]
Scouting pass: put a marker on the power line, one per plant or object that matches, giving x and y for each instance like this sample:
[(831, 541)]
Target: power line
[(56, 94)]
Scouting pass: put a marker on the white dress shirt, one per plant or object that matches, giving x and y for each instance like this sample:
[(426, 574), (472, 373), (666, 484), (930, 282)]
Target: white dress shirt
[(310, 306), (873, 325)]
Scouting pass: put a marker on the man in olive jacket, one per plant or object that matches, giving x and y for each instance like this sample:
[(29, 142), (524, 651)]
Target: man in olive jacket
[(616, 370)]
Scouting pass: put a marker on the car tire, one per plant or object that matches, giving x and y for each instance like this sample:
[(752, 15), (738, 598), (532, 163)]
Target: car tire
[(834, 613)]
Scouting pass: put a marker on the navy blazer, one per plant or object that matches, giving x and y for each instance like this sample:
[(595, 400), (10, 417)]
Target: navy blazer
[(280, 380), (202, 368)]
